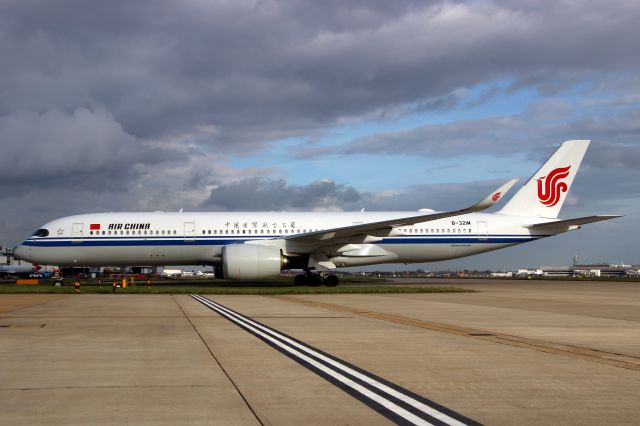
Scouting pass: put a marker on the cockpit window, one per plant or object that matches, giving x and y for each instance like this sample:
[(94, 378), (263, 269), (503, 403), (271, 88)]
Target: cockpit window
[(41, 233)]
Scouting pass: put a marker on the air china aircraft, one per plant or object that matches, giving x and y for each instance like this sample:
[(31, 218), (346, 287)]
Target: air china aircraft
[(258, 245)]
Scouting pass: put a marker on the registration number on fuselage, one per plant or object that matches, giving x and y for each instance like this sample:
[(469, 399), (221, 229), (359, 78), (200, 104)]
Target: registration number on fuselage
[(461, 222)]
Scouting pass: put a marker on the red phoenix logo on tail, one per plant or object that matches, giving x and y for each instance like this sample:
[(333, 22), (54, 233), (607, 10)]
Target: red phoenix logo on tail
[(550, 187), (496, 196)]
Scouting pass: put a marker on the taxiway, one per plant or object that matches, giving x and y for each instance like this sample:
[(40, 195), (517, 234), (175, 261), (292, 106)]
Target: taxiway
[(513, 352)]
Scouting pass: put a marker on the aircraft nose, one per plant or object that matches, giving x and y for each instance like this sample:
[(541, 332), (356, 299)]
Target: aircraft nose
[(20, 253)]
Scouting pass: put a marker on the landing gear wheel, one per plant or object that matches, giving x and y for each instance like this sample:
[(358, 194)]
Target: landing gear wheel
[(331, 281), (300, 280), (308, 278), (314, 280)]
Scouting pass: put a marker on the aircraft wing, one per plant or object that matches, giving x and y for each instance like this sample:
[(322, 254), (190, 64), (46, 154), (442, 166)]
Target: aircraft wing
[(568, 223), (373, 228)]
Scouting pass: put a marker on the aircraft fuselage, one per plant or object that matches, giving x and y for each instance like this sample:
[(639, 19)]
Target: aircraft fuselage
[(163, 238)]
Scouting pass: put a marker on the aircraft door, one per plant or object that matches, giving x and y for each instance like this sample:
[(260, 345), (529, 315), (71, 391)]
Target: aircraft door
[(77, 230), (483, 230), (189, 232)]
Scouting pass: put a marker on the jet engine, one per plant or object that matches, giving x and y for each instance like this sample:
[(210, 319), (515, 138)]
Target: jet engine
[(251, 262)]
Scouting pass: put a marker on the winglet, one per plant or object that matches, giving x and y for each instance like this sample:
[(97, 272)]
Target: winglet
[(572, 223), (494, 197)]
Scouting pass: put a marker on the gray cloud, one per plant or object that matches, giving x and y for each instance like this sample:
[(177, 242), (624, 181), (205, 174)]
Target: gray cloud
[(251, 194), (83, 148), (285, 67), (534, 132)]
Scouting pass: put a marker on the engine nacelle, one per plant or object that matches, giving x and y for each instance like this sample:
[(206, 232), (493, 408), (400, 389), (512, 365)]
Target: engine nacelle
[(251, 262)]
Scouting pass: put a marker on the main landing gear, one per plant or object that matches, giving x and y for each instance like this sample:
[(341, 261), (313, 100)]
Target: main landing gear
[(311, 279)]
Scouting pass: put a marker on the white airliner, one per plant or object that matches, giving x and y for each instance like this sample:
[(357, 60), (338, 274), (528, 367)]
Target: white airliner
[(258, 245)]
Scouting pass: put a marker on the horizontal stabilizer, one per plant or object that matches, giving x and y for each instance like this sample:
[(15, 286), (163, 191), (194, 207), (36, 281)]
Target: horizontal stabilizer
[(568, 223)]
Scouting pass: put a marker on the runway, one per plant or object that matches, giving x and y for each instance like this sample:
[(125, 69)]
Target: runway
[(514, 352)]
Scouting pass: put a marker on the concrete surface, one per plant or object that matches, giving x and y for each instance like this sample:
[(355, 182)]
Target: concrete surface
[(155, 359)]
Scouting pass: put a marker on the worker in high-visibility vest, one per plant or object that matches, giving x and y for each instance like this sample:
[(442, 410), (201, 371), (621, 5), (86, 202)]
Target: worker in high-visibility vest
[(113, 285), (76, 286)]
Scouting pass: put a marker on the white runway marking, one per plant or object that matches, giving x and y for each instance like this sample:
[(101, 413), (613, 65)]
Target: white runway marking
[(394, 402)]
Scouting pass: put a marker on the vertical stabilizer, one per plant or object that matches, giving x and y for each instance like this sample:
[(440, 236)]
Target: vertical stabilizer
[(545, 192)]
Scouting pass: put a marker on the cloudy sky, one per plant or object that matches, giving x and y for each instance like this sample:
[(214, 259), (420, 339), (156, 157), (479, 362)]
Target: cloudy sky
[(332, 105)]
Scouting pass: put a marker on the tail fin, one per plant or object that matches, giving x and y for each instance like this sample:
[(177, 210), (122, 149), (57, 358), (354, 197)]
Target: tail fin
[(545, 192)]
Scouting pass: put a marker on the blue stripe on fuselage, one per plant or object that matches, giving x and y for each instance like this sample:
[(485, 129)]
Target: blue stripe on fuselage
[(205, 241)]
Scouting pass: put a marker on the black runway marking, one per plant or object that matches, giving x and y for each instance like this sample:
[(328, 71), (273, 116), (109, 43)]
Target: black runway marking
[(392, 401)]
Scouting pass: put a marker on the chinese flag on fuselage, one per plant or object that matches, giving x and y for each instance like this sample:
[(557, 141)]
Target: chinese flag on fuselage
[(94, 227)]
